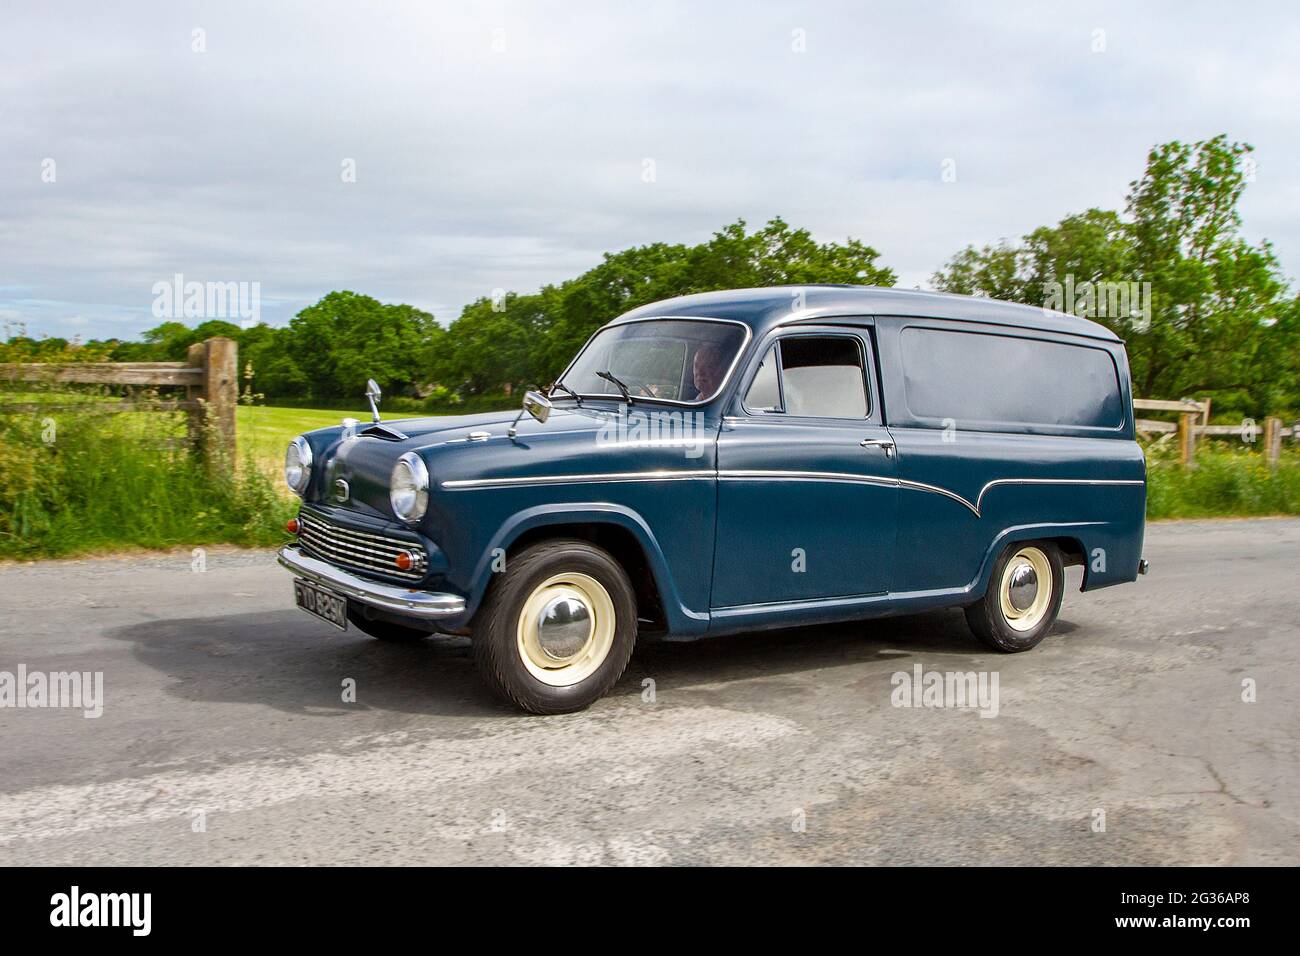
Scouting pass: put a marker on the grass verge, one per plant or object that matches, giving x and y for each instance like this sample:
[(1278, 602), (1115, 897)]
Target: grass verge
[(1223, 483), (80, 483), (75, 482)]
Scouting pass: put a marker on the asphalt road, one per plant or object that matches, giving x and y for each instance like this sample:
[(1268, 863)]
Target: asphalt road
[(224, 737)]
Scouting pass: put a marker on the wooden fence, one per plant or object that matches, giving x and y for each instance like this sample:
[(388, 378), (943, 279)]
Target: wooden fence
[(1194, 424), (210, 377)]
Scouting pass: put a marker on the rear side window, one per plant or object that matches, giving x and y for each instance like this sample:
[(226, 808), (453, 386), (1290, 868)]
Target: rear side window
[(811, 376), (1003, 379)]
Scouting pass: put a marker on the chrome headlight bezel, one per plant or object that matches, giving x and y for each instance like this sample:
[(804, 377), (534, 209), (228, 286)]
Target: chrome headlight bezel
[(410, 499), (298, 460)]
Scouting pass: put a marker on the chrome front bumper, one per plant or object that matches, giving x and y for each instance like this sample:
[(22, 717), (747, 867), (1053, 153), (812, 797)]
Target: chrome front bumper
[(427, 605)]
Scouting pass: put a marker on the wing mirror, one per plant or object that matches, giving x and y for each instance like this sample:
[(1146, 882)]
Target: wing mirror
[(373, 394), (535, 404)]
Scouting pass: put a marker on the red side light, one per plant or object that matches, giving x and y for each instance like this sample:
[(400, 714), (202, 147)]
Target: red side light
[(404, 560), (292, 526)]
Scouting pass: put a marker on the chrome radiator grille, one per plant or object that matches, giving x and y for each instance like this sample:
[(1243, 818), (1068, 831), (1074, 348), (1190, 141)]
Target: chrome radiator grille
[(359, 550)]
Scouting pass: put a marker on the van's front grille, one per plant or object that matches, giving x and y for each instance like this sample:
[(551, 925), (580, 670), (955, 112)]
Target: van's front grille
[(359, 550)]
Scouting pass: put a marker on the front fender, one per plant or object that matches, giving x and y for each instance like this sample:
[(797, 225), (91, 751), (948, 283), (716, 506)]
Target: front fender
[(682, 620)]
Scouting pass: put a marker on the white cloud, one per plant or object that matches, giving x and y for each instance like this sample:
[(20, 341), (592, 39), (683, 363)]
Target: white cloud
[(479, 168)]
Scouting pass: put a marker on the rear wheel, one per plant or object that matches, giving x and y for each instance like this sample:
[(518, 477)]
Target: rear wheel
[(1023, 598), (557, 628)]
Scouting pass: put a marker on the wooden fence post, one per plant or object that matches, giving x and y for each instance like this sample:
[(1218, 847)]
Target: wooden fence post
[(221, 385), (195, 358), (1272, 440), (212, 421), (1187, 438)]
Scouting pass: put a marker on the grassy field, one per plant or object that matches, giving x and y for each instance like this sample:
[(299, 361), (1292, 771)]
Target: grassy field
[(79, 483), (116, 481), (265, 432)]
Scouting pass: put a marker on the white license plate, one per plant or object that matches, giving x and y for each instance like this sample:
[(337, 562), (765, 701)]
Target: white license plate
[(324, 604)]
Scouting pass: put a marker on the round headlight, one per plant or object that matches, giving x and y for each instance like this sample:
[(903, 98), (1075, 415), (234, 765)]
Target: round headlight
[(297, 465), (408, 488)]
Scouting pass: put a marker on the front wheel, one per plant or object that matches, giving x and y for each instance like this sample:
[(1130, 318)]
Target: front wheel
[(557, 628), (1023, 598)]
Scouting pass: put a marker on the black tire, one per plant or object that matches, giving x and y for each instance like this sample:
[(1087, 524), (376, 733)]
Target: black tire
[(498, 653), (383, 630), (987, 617)]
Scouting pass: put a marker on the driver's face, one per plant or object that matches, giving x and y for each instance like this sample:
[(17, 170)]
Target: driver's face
[(707, 371)]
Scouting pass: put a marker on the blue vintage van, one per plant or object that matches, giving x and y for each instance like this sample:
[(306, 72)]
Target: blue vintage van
[(732, 461)]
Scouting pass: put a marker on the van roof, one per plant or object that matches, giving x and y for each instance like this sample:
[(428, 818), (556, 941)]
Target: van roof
[(763, 308)]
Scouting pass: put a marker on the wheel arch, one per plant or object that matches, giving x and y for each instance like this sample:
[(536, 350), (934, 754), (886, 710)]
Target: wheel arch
[(1068, 538), (614, 528)]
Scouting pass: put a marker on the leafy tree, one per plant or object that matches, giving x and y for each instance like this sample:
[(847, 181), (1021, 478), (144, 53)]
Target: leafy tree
[(275, 372), (555, 322), (491, 344), (346, 338), (1215, 295), (1218, 322)]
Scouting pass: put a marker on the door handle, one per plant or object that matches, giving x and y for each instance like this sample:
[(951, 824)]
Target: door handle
[(882, 443)]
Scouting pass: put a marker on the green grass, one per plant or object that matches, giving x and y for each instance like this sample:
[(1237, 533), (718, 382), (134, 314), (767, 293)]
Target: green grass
[(113, 481), (1226, 482), (110, 481), (264, 432), (74, 483)]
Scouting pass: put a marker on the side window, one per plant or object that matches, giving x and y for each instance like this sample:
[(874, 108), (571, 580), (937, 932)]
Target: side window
[(996, 379), (764, 394), (811, 376)]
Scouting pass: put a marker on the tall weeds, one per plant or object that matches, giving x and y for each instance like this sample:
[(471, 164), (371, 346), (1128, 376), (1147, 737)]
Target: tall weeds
[(83, 480)]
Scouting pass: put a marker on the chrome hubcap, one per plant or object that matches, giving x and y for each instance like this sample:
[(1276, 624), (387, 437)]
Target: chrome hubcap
[(1025, 590), (563, 628), (1023, 587)]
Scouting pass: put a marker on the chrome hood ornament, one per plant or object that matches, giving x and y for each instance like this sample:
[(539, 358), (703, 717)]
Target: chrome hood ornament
[(376, 428)]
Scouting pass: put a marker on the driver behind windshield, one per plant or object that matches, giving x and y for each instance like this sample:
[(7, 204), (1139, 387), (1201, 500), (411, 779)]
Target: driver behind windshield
[(707, 371)]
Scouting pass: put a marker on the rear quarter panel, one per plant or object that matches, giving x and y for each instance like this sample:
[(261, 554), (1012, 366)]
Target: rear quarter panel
[(1007, 482)]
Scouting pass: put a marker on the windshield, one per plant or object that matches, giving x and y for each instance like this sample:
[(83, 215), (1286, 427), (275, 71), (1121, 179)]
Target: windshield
[(680, 360)]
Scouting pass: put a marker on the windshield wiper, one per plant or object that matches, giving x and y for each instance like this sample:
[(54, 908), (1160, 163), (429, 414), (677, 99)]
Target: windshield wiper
[(576, 397), (609, 377)]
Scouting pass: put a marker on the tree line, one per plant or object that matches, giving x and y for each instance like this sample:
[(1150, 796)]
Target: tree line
[(1204, 311)]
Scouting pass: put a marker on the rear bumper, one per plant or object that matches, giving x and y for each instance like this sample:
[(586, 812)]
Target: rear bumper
[(425, 605)]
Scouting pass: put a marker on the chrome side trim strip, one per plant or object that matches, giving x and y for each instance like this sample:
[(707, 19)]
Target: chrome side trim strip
[(666, 475), (429, 605), (781, 475), (936, 490), (742, 475), (1055, 481)]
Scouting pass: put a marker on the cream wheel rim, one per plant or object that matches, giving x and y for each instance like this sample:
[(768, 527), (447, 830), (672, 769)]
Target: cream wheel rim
[(566, 629), (1026, 589)]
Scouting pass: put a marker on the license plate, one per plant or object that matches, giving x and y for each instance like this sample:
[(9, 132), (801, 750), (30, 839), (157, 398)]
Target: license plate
[(325, 605)]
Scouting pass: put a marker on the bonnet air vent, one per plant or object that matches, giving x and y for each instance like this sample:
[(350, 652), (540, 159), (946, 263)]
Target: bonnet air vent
[(384, 432)]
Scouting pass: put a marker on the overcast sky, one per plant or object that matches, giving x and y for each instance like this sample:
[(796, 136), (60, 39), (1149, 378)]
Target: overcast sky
[(502, 145)]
